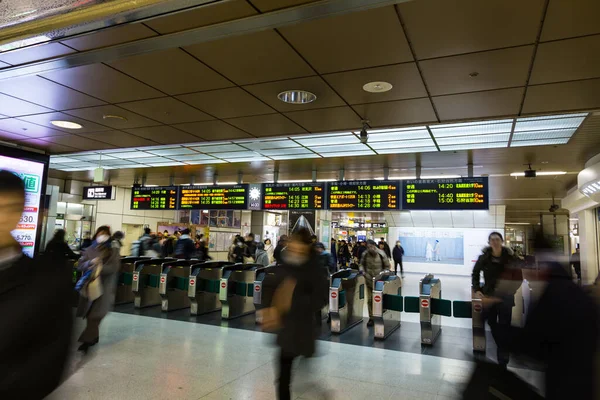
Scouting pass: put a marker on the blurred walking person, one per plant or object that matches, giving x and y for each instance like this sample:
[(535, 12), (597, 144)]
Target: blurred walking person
[(35, 305), (372, 263), (58, 247), (262, 257), (100, 262), (300, 294)]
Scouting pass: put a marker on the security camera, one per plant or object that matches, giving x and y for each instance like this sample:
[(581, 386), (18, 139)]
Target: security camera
[(364, 136)]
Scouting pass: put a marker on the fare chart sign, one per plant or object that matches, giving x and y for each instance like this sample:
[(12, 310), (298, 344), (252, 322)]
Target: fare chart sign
[(154, 198), (446, 194), (200, 197), (293, 196), (363, 195)]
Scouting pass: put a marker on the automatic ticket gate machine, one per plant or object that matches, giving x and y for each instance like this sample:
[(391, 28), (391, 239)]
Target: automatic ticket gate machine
[(387, 303), (204, 287), (346, 299), (430, 290), (260, 289), (174, 281), (124, 293), (237, 289), (145, 282)]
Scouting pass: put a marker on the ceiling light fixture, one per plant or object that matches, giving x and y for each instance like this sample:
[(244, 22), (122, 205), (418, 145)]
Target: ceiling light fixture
[(474, 74), (540, 173), (377, 87), (441, 176), (110, 116), (297, 97), (66, 124)]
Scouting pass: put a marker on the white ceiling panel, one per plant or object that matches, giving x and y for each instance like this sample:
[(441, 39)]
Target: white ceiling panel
[(330, 140), (401, 144), (473, 146), (194, 157), (501, 137), (93, 157), (545, 142), (463, 219), (537, 135), (292, 151), (555, 116), (63, 160), (346, 154), (339, 148), (166, 164), (294, 157), (198, 162), (248, 159), (236, 154), (177, 151), (555, 123), (407, 150), (152, 160), (131, 154), (214, 148), (481, 129), (398, 135), (441, 219), (412, 128), (421, 218), (270, 145)]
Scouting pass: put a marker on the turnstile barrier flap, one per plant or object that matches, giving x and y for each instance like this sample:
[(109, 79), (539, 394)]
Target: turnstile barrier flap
[(411, 304), (441, 307), (393, 302), (461, 309)]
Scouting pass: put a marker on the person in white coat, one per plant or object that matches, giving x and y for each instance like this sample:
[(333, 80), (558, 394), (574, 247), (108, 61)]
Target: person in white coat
[(270, 249)]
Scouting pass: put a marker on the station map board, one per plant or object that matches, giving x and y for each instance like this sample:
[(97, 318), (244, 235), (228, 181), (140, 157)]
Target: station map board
[(293, 196), (446, 194), (154, 198), (363, 195), (208, 197)]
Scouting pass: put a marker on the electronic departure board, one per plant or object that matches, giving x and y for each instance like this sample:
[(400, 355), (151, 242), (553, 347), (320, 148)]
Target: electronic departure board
[(446, 194), (293, 196), (234, 197), (154, 198), (363, 195)]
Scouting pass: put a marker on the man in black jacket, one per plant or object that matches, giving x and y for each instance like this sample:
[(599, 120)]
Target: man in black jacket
[(398, 253), (250, 247), (35, 305), (498, 265)]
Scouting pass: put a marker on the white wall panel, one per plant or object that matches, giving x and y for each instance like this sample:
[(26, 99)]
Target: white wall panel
[(441, 219), (484, 219), (421, 219), (132, 219), (463, 219), (115, 221)]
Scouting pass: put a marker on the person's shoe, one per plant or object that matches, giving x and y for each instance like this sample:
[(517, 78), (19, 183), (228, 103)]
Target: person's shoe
[(84, 348), (370, 323)]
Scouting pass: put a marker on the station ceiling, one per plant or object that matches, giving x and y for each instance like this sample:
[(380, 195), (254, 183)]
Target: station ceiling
[(448, 62)]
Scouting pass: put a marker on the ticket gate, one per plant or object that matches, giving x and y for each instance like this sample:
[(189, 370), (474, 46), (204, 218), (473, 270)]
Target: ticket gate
[(203, 288), (346, 300), (479, 341), (387, 303), (146, 281), (124, 292), (236, 290), (173, 287), (259, 290), (430, 289)]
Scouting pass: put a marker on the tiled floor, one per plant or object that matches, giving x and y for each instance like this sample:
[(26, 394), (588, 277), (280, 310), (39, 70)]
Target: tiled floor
[(150, 358)]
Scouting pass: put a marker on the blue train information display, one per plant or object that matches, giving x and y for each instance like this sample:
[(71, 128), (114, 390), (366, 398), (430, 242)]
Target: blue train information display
[(363, 195), (446, 194)]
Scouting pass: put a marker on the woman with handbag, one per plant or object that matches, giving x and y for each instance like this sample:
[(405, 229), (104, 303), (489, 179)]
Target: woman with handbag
[(101, 261)]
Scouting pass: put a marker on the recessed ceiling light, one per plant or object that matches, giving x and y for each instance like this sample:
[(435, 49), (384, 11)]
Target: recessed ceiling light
[(110, 116), (544, 162), (474, 74), (66, 124), (377, 87), (297, 97)]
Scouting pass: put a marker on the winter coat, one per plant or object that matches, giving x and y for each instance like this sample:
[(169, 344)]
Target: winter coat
[(277, 252), (109, 253), (398, 253), (61, 249), (386, 249), (250, 249), (506, 270), (299, 331), (373, 264), (270, 249), (36, 328), (262, 257), (185, 247)]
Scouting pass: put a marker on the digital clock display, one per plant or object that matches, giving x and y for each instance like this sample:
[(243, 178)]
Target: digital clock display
[(446, 194), (154, 198), (363, 195), (293, 196)]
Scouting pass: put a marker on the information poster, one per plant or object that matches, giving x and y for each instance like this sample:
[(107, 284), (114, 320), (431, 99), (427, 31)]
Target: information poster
[(363, 195), (32, 173), (446, 194), (293, 196), (234, 197), (154, 198)]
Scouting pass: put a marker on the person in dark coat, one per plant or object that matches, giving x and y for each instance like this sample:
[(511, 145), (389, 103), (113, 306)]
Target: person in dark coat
[(185, 247), (281, 244), (301, 293), (498, 264), (104, 253), (35, 305), (386, 248), (333, 250), (398, 253), (58, 247), (87, 241), (250, 247), (343, 254)]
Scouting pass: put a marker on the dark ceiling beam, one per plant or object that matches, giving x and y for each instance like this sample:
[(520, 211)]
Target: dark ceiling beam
[(261, 22)]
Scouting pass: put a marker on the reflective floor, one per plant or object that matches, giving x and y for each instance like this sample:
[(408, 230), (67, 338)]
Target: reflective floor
[(150, 358)]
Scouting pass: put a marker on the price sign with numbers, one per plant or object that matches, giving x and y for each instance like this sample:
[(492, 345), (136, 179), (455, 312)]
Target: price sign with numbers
[(293, 196), (446, 194), (363, 195), (154, 198)]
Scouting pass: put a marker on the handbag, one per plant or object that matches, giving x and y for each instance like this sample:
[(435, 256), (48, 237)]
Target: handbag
[(493, 382), (94, 288)]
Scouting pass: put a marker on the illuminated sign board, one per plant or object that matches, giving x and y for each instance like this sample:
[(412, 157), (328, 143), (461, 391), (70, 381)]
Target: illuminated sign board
[(363, 195), (154, 198), (98, 193), (208, 197), (446, 194), (293, 196)]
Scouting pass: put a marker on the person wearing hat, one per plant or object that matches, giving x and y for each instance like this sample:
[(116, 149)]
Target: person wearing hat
[(372, 262)]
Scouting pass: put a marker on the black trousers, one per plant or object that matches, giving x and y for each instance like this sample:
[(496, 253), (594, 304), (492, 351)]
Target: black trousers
[(286, 360), (498, 318), (577, 268), (399, 263)]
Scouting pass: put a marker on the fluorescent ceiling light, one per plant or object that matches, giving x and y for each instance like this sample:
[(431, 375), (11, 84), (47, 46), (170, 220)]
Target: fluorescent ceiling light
[(517, 223), (401, 144), (62, 160), (236, 154), (227, 183), (345, 154), (150, 185), (521, 143), (282, 152), (401, 150), (470, 130), (181, 151), (402, 178), (474, 146), (294, 157), (556, 123), (340, 148), (23, 43), (269, 145), (198, 162), (166, 164), (249, 159), (540, 173), (555, 116), (440, 176), (66, 124), (330, 140), (326, 180), (194, 157), (457, 140), (413, 128), (218, 148), (294, 181), (404, 135), (539, 135), (131, 154)]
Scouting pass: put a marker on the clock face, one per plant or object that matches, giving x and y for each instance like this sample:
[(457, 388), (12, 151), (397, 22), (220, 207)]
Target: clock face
[(255, 194)]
